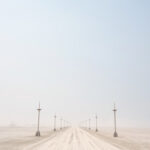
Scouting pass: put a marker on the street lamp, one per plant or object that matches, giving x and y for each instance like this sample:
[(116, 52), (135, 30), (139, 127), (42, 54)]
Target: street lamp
[(89, 124), (38, 125), (60, 123), (115, 133), (55, 122), (96, 123)]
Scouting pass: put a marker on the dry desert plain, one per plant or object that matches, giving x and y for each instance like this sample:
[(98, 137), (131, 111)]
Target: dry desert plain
[(74, 138)]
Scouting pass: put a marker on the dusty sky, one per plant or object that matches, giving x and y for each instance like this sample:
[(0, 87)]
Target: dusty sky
[(77, 58)]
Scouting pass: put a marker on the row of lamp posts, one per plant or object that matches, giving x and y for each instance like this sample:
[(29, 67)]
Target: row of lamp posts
[(87, 123), (61, 120), (63, 123), (96, 123)]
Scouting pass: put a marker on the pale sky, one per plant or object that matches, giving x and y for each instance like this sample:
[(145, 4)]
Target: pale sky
[(77, 57)]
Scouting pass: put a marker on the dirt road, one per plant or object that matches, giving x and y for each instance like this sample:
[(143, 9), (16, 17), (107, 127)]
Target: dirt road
[(72, 139)]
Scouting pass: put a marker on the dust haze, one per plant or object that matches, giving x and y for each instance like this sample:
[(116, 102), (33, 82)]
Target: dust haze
[(74, 75)]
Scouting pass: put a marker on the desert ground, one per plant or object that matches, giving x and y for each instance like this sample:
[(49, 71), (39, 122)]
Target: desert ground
[(73, 138)]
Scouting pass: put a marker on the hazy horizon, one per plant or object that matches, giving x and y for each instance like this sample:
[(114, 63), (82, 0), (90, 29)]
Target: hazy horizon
[(77, 58)]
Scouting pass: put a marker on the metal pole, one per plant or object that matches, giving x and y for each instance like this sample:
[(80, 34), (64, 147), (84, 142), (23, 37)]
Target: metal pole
[(96, 124), (54, 122), (115, 126), (38, 124), (89, 124), (64, 124), (60, 123)]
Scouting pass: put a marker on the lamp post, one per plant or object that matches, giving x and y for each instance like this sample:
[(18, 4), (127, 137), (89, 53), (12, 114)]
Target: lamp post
[(38, 125), (96, 130), (115, 126), (64, 123), (55, 122), (89, 124), (60, 123), (86, 124)]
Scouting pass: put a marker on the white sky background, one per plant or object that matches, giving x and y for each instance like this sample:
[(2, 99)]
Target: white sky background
[(76, 58)]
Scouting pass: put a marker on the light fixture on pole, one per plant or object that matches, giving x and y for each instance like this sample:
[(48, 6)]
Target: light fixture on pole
[(89, 124), (115, 126), (55, 122), (60, 123), (96, 130), (38, 125)]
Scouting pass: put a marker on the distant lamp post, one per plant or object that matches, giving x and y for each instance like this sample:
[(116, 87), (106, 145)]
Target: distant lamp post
[(89, 124), (55, 122), (64, 123), (60, 123), (96, 130), (86, 126), (38, 125), (115, 133)]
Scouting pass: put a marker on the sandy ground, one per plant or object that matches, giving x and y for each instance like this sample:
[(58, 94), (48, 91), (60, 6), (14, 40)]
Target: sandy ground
[(129, 138), (74, 139)]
